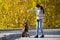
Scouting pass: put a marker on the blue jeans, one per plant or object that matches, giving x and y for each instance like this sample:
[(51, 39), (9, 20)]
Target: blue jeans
[(39, 25)]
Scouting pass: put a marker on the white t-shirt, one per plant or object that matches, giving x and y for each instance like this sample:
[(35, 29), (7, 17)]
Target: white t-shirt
[(39, 14)]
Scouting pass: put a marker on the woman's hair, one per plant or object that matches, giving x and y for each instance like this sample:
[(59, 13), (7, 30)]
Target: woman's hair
[(40, 7)]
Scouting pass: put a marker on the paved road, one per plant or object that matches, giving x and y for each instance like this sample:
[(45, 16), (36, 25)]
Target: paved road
[(38, 39), (15, 34)]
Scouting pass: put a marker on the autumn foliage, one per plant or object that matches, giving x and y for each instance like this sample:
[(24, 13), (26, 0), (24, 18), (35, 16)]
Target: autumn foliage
[(13, 13)]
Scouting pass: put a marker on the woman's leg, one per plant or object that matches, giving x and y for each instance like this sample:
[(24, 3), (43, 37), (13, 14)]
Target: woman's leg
[(37, 29), (40, 25)]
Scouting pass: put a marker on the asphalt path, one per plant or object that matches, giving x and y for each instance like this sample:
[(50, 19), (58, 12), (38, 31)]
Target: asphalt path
[(16, 34)]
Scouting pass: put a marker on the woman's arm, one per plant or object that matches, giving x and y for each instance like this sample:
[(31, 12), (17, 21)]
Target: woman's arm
[(31, 10)]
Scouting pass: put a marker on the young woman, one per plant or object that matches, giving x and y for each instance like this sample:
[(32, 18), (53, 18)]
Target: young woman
[(39, 16)]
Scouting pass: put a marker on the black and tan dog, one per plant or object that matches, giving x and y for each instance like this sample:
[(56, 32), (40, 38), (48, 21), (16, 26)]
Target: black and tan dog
[(25, 31)]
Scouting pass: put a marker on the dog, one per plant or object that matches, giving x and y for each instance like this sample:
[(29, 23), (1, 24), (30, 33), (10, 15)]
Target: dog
[(25, 31)]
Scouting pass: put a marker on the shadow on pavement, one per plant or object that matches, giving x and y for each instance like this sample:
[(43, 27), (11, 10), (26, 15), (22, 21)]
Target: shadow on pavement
[(11, 37)]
